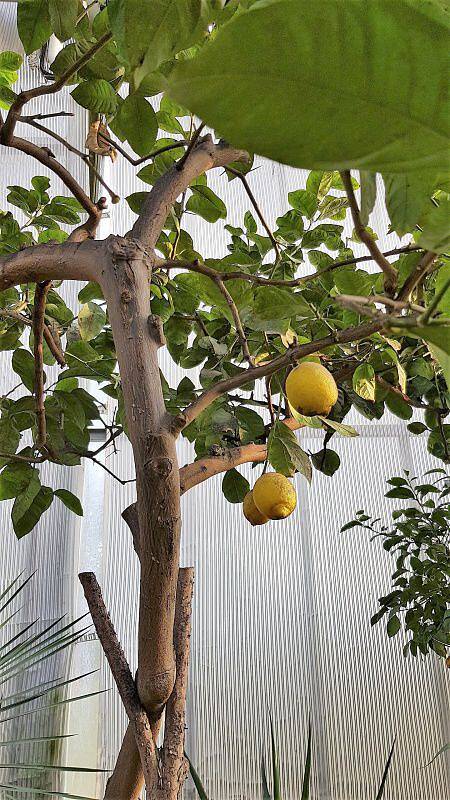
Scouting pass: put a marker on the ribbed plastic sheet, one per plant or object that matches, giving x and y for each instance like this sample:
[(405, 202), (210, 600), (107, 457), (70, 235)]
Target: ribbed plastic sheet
[(281, 622)]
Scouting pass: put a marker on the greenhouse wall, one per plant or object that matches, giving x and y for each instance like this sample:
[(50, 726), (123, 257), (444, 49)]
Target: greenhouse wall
[(281, 620)]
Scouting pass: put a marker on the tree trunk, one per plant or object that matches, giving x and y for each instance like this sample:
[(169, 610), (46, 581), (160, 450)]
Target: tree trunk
[(125, 281)]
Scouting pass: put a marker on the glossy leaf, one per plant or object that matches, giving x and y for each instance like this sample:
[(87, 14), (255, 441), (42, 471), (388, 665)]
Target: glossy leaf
[(33, 23), (402, 124)]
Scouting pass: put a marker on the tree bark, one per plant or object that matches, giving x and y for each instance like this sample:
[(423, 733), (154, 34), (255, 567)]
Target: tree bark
[(125, 281)]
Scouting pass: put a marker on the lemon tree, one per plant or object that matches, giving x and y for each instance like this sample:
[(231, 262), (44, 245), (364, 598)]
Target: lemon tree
[(374, 328)]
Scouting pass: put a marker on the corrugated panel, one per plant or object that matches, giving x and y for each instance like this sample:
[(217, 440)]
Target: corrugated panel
[(50, 548), (281, 614)]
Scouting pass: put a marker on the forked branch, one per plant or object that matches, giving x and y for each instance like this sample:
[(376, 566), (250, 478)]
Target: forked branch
[(205, 156), (123, 678)]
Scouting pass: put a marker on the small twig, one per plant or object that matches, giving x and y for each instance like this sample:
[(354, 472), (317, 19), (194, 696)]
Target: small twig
[(269, 400), (237, 320), (192, 142), (123, 678), (32, 117), (40, 297), (7, 131), (417, 276), (135, 162), (52, 345), (261, 281), (390, 272), (84, 156), (258, 211)]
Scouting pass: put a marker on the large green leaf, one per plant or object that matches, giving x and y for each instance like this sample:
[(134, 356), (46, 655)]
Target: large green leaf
[(285, 454), (63, 17), (406, 198), (149, 32), (96, 95), (375, 69), (206, 204), (137, 122), (33, 23)]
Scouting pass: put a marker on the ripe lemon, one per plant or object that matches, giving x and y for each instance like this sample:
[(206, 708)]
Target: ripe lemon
[(251, 512), (311, 389), (274, 495)]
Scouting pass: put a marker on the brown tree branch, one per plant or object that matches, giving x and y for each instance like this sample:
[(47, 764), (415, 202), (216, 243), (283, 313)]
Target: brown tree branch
[(424, 267), (291, 356), (174, 765), (191, 144), (56, 352), (237, 320), (195, 266), (40, 298), (66, 261), (7, 130), (123, 679), (84, 156), (46, 157), (135, 162), (390, 272), (205, 156), (258, 211)]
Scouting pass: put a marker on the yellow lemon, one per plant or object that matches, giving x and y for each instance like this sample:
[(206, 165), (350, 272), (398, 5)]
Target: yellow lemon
[(274, 495), (251, 512), (311, 389)]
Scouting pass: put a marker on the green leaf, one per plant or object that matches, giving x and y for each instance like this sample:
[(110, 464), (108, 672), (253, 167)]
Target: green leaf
[(400, 493), (344, 430), (364, 381), (70, 500), (136, 201), (9, 438), (235, 486), (91, 320), (149, 32), (206, 204), (138, 123), (326, 461), (417, 428), (273, 303), (63, 17), (393, 626), (285, 454), (96, 95), (368, 183), (29, 506), (443, 360), (398, 405), (14, 479), (10, 61), (435, 227), (23, 364), (33, 23), (401, 124), (406, 197)]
